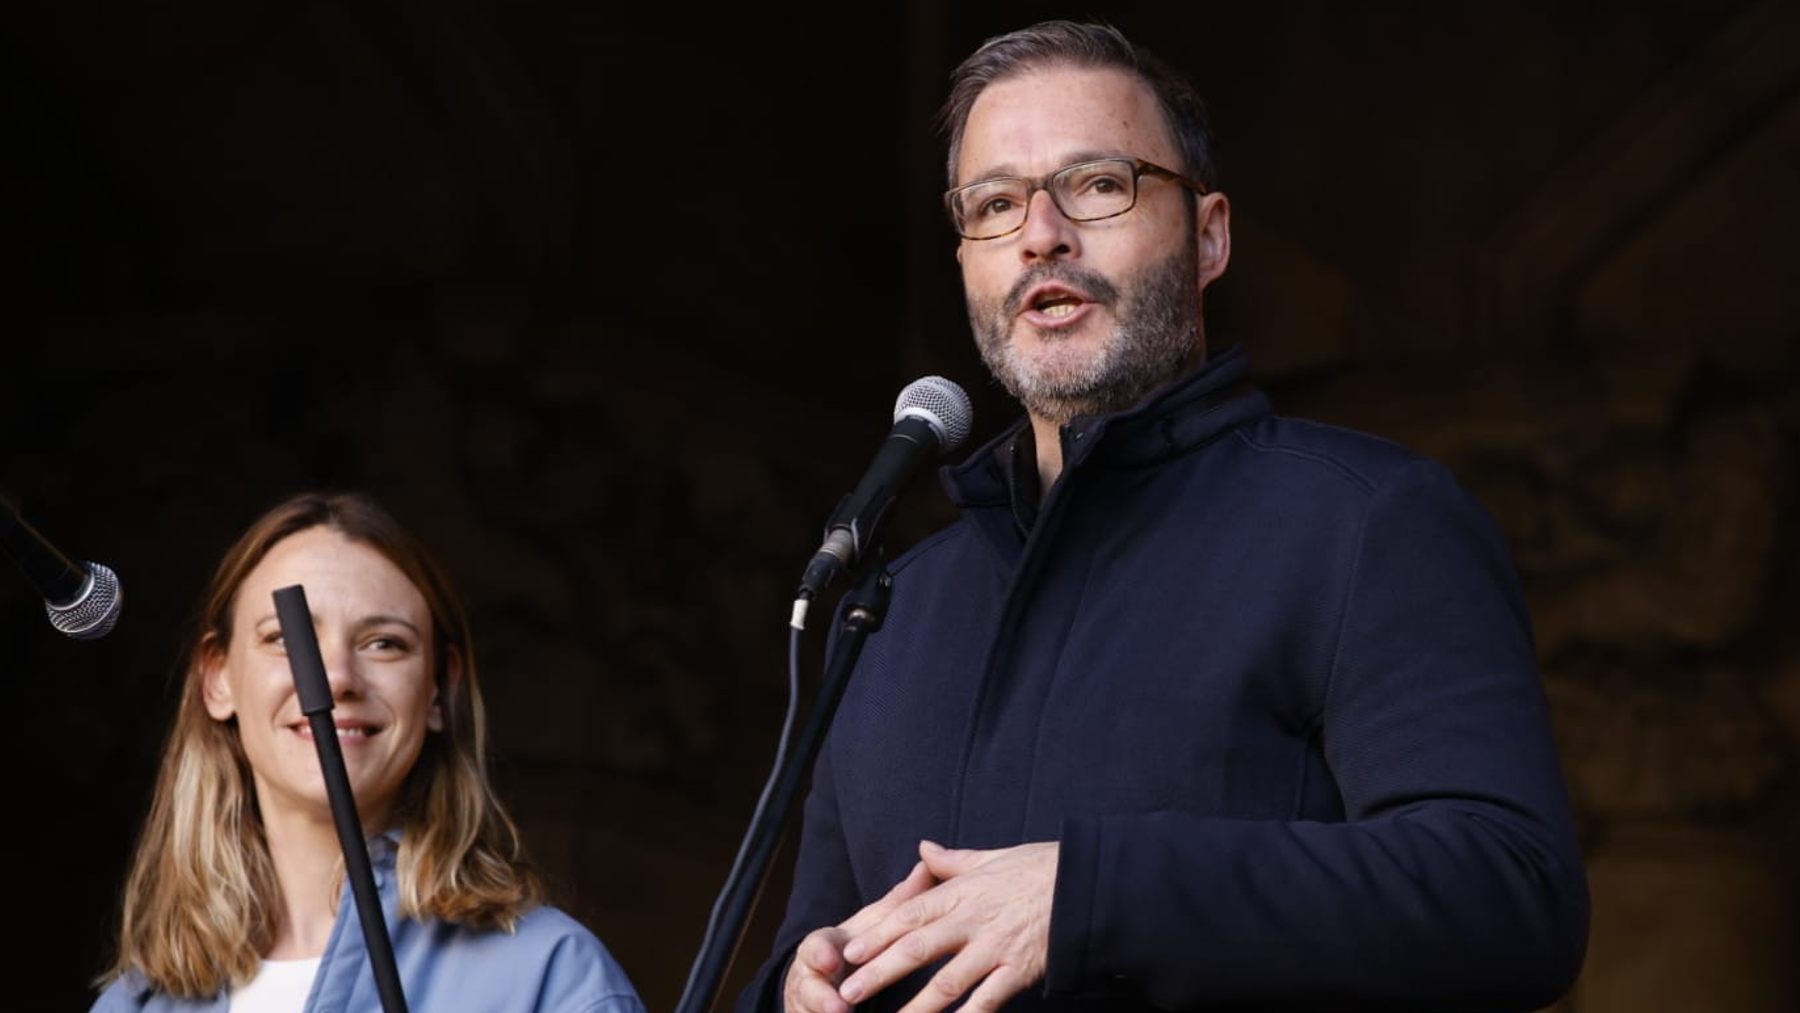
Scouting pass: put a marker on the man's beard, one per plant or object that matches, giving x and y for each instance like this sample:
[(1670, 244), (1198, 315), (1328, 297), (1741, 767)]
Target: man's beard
[(1157, 331)]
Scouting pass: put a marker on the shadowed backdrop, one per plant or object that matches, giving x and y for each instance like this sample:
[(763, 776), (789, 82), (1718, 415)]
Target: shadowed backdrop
[(610, 305)]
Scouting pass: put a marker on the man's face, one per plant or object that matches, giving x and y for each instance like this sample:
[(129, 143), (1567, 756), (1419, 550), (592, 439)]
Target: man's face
[(1080, 317)]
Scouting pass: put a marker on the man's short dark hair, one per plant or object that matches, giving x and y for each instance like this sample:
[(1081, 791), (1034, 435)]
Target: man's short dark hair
[(1074, 44)]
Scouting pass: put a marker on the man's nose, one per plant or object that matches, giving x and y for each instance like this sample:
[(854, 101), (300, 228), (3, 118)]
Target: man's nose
[(1047, 233)]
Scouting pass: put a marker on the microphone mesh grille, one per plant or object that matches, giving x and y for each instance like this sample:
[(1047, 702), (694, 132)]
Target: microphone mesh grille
[(94, 614), (942, 404)]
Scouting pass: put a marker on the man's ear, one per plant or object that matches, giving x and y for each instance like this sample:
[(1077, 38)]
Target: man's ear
[(1212, 237), (215, 689)]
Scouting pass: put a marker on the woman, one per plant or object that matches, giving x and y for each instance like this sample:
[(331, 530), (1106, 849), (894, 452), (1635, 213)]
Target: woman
[(237, 900)]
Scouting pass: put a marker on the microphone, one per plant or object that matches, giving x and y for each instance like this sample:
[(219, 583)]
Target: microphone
[(931, 416), (82, 600)]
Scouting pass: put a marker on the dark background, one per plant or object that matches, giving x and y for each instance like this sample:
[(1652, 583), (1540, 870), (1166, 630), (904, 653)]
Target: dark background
[(609, 302)]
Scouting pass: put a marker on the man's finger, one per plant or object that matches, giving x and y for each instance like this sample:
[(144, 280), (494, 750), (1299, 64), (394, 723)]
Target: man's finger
[(812, 978), (905, 955), (945, 862), (822, 950), (952, 981), (1001, 984), (819, 995), (927, 907), (916, 882)]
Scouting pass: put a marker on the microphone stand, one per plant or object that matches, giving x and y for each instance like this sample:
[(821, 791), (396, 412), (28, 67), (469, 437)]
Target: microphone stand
[(864, 609), (308, 666)]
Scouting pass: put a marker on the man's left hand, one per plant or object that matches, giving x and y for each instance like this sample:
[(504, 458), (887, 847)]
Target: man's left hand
[(992, 911)]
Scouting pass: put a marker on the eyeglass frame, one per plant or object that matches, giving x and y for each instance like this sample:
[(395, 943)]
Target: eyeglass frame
[(1139, 169)]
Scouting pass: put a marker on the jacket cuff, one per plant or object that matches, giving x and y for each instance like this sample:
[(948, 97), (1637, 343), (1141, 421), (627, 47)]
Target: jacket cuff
[(1072, 907)]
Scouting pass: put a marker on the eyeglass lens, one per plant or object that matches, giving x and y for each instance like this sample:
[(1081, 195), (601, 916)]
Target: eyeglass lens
[(1082, 192)]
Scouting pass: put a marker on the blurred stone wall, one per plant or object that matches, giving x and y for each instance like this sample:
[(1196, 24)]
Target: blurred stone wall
[(1658, 553), (1616, 375), (406, 247)]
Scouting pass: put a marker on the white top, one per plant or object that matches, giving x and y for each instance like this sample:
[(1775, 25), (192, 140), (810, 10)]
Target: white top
[(280, 986)]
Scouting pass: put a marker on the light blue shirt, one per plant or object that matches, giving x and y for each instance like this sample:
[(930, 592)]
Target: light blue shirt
[(549, 964)]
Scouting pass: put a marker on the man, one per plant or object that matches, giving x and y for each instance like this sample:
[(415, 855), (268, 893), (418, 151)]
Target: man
[(1196, 706)]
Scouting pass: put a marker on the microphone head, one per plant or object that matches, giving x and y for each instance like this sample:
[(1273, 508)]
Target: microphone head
[(93, 612), (942, 405)]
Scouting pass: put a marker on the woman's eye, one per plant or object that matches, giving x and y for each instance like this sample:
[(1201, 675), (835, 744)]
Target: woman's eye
[(272, 637)]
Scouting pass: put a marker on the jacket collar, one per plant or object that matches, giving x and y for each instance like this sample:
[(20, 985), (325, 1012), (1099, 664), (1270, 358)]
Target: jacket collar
[(1176, 418), (384, 851)]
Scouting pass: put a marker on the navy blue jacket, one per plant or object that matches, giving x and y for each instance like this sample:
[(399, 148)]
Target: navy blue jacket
[(1271, 685)]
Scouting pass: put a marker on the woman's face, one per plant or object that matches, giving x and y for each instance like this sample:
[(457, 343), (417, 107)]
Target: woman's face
[(375, 633)]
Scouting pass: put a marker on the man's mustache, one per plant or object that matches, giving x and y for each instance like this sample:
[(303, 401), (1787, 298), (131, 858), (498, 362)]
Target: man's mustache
[(1089, 282)]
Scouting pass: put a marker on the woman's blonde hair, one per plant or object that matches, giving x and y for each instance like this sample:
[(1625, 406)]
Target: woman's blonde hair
[(202, 904)]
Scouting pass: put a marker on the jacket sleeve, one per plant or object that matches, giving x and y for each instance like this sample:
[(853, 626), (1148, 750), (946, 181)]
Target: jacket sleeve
[(1455, 880), (824, 891)]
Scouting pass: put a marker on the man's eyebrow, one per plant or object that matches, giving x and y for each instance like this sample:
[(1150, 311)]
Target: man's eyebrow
[(1092, 155), (1003, 170), (1009, 170)]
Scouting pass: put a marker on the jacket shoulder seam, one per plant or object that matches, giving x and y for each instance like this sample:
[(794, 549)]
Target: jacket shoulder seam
[(1353, 578), (1331, 461)]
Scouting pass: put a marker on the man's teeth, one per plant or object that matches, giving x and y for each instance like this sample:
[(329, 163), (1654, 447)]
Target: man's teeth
[(1058, 309)]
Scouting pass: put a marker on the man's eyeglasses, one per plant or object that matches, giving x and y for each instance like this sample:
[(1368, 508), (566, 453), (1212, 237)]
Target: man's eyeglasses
[(1083, 192)]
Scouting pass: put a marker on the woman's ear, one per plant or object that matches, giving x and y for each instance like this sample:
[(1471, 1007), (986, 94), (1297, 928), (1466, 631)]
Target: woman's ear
[(215, 689)]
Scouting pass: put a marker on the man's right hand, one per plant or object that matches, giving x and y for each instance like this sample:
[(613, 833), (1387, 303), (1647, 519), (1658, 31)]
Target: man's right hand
[(819, 966)]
